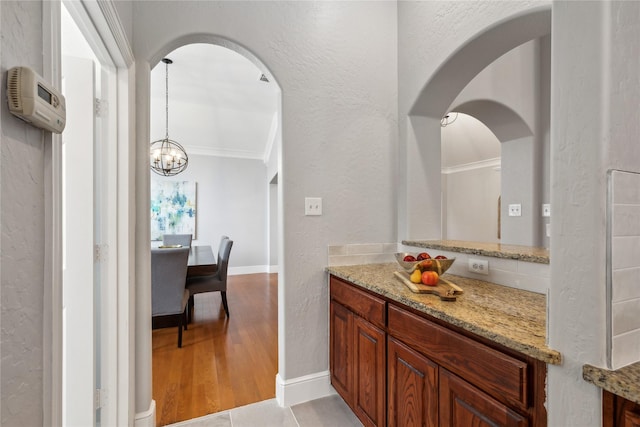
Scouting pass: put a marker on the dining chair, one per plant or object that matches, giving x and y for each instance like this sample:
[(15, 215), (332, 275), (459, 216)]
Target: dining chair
[(215, 282), (169, 296), (177, 239)]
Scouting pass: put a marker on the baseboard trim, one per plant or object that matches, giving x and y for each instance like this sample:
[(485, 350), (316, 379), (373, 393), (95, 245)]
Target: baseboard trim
[(248, 269), (302, 389), (146, 418)]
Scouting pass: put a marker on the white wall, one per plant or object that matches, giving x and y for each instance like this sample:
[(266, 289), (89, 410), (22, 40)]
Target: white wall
[(514, 82), (22, 228), (232, 200), (335, 64), (472, 205)]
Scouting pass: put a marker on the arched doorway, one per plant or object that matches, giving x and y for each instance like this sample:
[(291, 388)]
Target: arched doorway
[(144, 403)]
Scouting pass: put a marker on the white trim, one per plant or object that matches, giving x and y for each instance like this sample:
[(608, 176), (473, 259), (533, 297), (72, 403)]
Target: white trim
[(303, 389), (274, 268), (52, 346), (108, 21), (222, 152), (146, 418), (248, 269), (488, 163), (273, 133), (124, 253)]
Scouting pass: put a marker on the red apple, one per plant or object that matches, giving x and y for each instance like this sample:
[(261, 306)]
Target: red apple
[(430, 278), (409, 258), (441, 257), (423, 255)]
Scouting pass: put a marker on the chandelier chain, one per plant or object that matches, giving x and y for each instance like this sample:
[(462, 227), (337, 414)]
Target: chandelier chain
[(166, 99)]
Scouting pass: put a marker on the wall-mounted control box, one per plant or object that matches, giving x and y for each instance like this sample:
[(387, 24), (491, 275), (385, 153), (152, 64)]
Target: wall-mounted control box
[(34, 100)]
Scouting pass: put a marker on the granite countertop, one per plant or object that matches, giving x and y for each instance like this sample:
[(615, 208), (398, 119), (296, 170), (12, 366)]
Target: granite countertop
[(511, 317), (624, 382), (495, 250)]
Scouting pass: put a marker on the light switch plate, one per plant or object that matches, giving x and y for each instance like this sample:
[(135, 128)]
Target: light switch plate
[(546, 209), (313, 205)]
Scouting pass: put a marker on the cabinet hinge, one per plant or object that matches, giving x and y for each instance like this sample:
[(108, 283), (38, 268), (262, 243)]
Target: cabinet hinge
[(100, 253), (101, 107), (100, 398)]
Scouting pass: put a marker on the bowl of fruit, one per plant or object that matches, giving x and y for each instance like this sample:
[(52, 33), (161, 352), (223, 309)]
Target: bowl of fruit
[(410, 262)]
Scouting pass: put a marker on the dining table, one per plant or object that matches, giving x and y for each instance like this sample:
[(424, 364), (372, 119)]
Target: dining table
[(201, 261)]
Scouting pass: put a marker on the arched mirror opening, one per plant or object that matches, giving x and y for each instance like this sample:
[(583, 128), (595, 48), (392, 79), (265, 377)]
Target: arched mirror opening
[(225, 112), (470, 180), (495, 152)]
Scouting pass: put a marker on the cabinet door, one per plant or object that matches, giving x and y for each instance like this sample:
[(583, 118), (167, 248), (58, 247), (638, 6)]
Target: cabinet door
[(463, 405), (341, 351), (619, 412), (413, 387), (370, 373)]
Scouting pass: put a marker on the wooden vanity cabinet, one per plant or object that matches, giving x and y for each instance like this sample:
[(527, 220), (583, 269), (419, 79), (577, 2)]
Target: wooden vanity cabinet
[(433, 374), (357, 351), (412, 387), (619, 412)]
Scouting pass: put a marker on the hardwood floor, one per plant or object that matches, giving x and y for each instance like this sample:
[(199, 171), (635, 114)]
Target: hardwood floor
[(223, 363)]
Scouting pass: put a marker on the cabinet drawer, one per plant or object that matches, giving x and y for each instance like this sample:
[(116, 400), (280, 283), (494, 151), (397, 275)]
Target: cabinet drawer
[(497, 373), (361, 303)]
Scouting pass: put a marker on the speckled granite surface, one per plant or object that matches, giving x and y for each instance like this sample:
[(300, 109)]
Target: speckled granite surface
[(624, 382), (511, 317), (495, 250)]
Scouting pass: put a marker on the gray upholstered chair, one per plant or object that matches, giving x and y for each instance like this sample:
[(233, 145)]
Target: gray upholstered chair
[(169, 297), (216, 282), (177, 239)]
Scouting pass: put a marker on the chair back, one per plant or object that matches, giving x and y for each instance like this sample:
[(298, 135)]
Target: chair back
[(168, 278), (177, 239), (223, 258), (221, 248)]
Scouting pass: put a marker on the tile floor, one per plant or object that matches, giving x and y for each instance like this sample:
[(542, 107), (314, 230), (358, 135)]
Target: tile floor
[(329, 411)]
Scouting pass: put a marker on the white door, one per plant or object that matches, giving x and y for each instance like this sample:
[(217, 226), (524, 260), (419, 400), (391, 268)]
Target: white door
[(79, 277)]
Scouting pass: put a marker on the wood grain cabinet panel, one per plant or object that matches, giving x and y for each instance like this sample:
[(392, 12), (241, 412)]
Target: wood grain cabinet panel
[(361, 303), (398, 368), (413, 387), (370, 373), (494, 371), (619, 412), (463, 405), (341, 350)]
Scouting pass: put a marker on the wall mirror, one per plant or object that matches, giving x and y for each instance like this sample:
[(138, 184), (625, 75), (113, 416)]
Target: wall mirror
[(495, 151)]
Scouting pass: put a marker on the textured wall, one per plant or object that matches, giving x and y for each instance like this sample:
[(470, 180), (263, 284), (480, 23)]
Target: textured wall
[(442, 46), (22, 229), (335, 64), (595, 92)]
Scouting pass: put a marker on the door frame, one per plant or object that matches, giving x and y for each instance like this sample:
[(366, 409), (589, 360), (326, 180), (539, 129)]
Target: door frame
[(101, 23)]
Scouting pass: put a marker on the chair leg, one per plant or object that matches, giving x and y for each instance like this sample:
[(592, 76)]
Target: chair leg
[(190, 306), (224, 302), (184, 316), (180, 331)]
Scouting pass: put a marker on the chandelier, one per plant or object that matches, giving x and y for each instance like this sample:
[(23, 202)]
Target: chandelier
[(448, 118), (168, 158)]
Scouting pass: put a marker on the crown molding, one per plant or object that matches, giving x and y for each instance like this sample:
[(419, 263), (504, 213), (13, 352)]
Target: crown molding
[(488, 163)]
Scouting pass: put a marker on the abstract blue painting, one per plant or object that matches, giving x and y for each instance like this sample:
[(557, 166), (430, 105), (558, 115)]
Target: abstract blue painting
[(173, 208)]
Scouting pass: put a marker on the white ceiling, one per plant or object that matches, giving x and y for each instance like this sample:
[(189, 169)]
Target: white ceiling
[(217, 103), (466, 141)]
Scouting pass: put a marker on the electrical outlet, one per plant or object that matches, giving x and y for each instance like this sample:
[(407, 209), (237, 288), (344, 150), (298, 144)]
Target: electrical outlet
[(515, 210), (313, 206), (546, 209), (478, 266)]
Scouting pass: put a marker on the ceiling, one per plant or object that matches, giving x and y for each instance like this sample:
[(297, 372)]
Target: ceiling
[(217, 103)]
